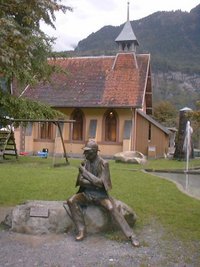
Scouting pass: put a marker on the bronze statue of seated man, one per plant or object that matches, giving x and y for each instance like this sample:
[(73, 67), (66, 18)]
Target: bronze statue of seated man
[(94, 183)]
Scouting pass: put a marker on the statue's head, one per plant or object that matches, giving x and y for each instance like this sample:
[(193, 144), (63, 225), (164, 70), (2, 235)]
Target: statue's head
[(90, 150)]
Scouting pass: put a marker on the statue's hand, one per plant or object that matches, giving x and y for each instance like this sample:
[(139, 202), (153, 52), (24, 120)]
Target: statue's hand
[(84, 173), (83, 181), (81, 169)]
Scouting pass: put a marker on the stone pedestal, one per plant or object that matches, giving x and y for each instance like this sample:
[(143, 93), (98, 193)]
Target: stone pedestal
[(179, 149), (43, 217)]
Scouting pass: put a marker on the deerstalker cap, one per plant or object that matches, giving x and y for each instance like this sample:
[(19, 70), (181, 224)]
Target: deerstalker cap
[(91, 145)]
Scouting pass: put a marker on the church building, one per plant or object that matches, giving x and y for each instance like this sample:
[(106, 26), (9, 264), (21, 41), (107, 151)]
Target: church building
[(108, 97)]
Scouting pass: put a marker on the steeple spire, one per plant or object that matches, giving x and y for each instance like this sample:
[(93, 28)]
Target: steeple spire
[(127, 40), (128, 3)]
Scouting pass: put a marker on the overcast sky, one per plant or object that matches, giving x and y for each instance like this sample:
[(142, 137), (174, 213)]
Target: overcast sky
[(91, 15)]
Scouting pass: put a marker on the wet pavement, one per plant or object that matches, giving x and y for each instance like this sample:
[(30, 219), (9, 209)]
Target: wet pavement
[(187, 183)]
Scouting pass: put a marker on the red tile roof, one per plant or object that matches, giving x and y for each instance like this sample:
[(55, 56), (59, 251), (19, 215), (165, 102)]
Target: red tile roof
[(115, 81)]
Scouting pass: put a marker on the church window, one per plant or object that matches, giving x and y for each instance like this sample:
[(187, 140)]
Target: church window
[(110, 126), (77, 131)]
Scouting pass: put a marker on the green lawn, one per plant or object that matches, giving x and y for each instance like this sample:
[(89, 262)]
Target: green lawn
[(151, 197)]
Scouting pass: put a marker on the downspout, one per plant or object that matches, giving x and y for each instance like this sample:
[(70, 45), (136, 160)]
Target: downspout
[(133, 130)]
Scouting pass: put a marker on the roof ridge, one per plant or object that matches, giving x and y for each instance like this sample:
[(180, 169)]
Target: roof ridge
[(83, 57)]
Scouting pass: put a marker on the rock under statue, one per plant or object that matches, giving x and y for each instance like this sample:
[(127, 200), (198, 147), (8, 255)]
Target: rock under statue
[(94, 183)]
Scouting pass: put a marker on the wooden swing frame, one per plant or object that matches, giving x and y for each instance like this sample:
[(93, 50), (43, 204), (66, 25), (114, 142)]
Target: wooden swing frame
[(57, 123)]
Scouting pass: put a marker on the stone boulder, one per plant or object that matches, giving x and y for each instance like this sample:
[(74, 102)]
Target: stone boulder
[(43, 217), (130, 157)]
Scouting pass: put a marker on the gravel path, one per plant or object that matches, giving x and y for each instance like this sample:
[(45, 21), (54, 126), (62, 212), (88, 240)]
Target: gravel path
[(21, 250)]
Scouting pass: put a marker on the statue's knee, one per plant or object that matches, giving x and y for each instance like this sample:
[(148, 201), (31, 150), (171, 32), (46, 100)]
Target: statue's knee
[(108, 205), (70, 201)]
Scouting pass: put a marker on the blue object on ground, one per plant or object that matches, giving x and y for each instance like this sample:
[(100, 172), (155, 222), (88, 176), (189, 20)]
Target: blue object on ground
[(42, 154)]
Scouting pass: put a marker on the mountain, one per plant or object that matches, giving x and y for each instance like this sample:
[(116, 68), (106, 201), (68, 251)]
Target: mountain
[(172, 39)]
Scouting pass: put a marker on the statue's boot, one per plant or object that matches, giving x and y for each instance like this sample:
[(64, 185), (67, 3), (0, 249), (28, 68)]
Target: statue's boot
[(134, 241), (81, 235), (110, 205), (77, 217)]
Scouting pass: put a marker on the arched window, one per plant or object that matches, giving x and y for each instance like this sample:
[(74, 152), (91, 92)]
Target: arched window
[(77, 133), (110, 126)]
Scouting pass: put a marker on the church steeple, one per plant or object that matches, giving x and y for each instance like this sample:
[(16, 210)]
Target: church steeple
[(127, 40), (128, 3)]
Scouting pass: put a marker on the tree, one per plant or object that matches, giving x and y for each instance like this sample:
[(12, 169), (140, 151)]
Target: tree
[(24, 48), (20, 108), (195, 114), (165, 113)]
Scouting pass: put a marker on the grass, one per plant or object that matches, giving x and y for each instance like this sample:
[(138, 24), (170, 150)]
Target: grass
[(151, 197), (35, 178)]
